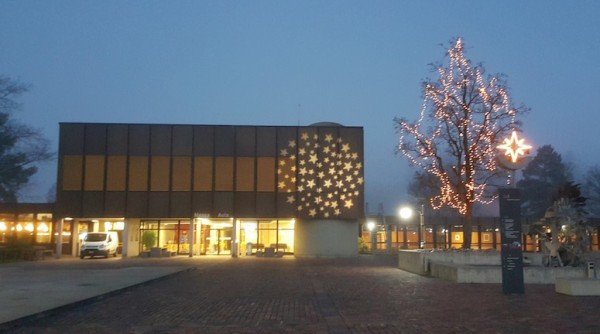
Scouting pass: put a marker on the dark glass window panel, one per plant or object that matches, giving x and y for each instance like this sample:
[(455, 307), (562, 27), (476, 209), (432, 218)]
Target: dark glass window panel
[(224, 140), (95, 139), (245, 204), (116, 139), (114, 204), (160, 173), (72, 172), (245, 174), (182, 173), (138, 173), (203, 173), (223, 204), (94, 173), (139, 139), (182, 140), (116, 172), (265, 205), (137, 204), (245, 139), (286, 139), (71, 139), (265, 176), (181, 204), (204, 140), (202, 202), (265, 141), (223, 173), (160, 139), (158, 205), (69, 204), (93, 204), (285, 208)]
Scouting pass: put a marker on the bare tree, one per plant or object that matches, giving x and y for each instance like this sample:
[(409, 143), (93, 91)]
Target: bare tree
[(591, 189), (464, 115), (20, 145)]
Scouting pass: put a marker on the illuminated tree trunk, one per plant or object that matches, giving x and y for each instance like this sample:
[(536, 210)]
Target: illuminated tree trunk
[(468, 227)]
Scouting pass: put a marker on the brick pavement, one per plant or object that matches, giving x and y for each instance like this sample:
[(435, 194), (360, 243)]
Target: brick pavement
[(365, 295)]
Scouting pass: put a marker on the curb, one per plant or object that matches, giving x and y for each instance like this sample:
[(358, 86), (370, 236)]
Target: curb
[(11, 324)]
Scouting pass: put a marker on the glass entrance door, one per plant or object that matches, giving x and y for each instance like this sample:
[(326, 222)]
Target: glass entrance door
[(216, 237)]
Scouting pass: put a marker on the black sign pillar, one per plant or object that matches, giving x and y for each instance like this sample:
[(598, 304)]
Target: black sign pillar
[(512, 254)]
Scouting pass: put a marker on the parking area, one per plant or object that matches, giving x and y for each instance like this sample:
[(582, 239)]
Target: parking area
[(363, 295)]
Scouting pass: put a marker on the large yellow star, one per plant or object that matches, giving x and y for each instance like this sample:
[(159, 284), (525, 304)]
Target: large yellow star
[(514, 147)]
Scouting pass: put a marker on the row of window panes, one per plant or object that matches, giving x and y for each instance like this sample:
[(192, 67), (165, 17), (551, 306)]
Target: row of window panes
[(170, 172), (271, 233), (27, 227), (170, 234)]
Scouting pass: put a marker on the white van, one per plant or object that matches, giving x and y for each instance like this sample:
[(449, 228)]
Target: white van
[(99, 243)]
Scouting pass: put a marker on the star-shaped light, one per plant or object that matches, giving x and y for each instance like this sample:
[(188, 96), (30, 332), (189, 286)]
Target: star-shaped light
[(514, 147)]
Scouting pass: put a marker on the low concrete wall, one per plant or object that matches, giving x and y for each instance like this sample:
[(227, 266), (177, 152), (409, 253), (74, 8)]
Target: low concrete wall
[(326, 238), (493, 274), (413, 261), (417, 261), (578, 286)]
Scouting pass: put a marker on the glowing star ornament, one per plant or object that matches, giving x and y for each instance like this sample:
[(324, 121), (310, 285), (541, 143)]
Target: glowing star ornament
[(514, 147)]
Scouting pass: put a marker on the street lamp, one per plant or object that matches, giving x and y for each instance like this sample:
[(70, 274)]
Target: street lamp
[(406, 212)]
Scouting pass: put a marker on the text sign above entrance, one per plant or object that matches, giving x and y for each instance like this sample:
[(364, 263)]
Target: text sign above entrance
[(512, 254)]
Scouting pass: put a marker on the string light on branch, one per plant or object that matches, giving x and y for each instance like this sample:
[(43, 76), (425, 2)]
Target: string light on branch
[(455, 138)]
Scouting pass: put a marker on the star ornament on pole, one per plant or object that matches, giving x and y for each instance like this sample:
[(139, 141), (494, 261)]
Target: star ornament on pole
[(515, 151)]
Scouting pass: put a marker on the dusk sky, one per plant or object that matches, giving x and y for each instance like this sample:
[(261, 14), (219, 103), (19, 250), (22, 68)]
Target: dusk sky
[(301, 62)]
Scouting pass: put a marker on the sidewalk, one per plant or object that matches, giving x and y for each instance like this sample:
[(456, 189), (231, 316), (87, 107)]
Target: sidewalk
[(28, 288)]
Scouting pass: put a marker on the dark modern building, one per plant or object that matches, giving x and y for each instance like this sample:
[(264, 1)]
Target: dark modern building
[(205, 189)]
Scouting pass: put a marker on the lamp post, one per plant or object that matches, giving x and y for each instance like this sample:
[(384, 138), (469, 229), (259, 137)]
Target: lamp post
[(406, 212)]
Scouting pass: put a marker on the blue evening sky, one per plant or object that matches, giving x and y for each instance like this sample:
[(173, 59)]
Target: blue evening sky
[(299, 62)]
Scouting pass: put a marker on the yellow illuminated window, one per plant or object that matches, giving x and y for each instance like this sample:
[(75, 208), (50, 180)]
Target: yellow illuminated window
[(245, 174), (94, 173), (138, 173), (115, 172), (224, 174), (203, 173), (182, 172), (160, 174), (72, 172), (265, 175)]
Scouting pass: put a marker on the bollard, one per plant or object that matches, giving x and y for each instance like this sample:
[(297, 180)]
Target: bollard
[(591, 272)]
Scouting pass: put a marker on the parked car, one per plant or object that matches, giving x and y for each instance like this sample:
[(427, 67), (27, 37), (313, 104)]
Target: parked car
[(99, 244)]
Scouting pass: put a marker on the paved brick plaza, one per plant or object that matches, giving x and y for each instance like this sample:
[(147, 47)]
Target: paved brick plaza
[(366, 295)]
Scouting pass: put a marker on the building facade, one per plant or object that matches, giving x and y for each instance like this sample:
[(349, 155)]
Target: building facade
[(204, 189)]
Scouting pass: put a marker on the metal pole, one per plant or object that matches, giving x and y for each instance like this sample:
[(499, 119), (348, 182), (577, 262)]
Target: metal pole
[(422, 225)]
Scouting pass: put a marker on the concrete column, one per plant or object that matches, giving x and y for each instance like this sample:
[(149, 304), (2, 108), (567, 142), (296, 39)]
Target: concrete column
[(75, 239), (191, 236), (125, 241), (234, 239), (59, 239)]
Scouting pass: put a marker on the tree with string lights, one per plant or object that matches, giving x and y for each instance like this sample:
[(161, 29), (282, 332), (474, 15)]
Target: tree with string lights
[(464, 115)]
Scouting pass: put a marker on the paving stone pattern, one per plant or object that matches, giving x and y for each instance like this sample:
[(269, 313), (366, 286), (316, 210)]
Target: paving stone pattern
[(365, 295)]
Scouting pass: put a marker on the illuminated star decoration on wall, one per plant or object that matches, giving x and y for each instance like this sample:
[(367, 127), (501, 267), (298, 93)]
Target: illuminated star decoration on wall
[(514, 147), (327, 175)]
